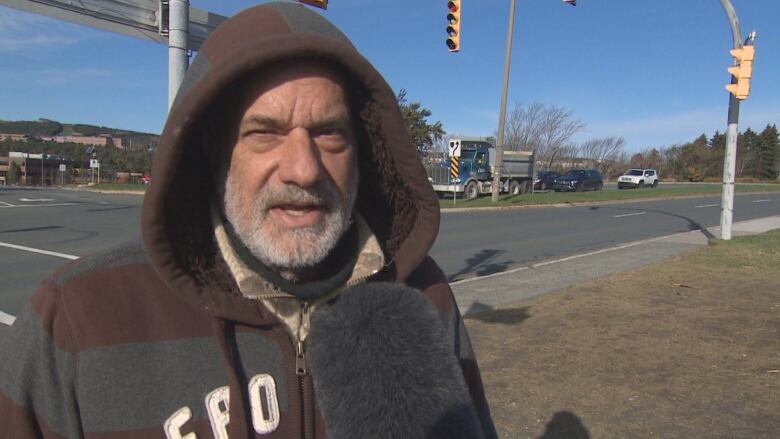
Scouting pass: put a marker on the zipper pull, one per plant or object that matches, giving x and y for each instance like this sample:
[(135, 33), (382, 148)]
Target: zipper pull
[(300, 359)]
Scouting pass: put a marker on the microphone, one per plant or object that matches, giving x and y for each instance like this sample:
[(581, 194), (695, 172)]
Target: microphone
[(384, 367)]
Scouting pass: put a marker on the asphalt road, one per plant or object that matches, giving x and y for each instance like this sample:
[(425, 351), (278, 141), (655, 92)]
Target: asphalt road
[(485, 242), (72, 224)]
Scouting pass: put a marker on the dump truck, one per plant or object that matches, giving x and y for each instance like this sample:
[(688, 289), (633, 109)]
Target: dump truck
[(469, 168)]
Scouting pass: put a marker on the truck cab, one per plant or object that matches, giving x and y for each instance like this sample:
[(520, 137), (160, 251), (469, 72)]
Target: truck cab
[(471, 173)]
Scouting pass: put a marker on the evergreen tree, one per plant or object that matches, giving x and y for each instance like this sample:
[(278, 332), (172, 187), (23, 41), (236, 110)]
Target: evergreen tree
[(747, 147), (716, 155), (423, 134), (769, 153)]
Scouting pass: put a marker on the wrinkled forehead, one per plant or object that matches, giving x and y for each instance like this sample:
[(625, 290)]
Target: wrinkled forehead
[(259, 82), (224, 116)]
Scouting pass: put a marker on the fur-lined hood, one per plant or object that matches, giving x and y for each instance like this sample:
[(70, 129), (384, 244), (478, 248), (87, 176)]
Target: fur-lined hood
[(395, 197)]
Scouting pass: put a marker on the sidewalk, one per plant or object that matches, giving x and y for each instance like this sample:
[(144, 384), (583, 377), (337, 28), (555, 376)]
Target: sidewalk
[(650, 340), (481, 294)]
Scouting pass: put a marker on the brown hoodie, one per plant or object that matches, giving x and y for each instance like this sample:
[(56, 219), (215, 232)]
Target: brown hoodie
[(162, 340)]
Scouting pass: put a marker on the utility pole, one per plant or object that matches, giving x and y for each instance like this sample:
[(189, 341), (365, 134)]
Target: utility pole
[(178, 58), (502, 113), (729, 161)]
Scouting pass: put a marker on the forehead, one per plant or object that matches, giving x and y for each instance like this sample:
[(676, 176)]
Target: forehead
[(309, 78)]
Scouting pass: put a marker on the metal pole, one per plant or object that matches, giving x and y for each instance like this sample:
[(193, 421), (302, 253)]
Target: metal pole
[(502, 114), (729, 161), (178, 61)]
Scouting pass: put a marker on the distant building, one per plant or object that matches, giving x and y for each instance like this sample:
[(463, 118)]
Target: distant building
[(4, 168), (42, 169), (18, 137), (99, 140)]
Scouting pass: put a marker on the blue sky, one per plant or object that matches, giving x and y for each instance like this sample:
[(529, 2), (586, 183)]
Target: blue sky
[(650, 71)]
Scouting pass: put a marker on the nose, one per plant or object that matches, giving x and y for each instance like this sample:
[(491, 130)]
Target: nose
[(300, 161)]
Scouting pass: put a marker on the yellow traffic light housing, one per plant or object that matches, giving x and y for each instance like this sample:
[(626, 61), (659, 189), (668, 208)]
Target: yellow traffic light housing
[(453, 25), (743, 71), (322, 4)]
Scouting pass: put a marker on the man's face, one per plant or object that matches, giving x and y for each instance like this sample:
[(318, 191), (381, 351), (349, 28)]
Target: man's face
[(292, 180)]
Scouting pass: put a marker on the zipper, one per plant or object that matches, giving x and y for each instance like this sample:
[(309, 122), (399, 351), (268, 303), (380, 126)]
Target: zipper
[(278, 295), (362, 279), (301, 369)]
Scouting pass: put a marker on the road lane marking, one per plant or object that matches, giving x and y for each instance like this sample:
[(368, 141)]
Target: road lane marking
[(6, 319), (36, 199), (761, 201), (38, 205), (630, 214), (6, 204), (569, 258), (706, 205), (37, 250)]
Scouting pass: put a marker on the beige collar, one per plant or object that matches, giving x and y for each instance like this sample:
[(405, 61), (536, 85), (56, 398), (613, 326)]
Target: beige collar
[(253, 285)]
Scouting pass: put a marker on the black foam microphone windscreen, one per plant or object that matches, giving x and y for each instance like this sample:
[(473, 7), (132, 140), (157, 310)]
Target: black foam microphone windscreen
[(384, 367)]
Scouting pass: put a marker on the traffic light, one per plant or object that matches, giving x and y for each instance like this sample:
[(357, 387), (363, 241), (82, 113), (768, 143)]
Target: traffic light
[(742, 71), (453, 25), (322, 4)]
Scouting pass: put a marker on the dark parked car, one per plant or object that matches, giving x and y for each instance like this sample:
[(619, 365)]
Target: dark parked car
[(579, 180), (545, 179)]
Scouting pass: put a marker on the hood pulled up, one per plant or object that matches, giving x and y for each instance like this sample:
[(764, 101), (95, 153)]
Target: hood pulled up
[(394, 197)]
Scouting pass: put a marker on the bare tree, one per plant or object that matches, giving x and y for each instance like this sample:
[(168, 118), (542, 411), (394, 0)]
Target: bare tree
[(557, 127), (522, 126), (604, 152), (544, 128)]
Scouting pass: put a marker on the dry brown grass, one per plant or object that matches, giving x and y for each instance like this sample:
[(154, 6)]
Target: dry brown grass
[(682, 349)]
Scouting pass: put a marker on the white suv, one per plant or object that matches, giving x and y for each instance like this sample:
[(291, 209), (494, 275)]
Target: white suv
[(638, 178)]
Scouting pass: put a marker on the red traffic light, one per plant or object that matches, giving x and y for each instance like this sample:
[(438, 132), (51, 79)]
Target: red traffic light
[(453, 7)]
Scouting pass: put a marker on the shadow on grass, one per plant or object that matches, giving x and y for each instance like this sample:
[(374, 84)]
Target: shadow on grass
[(565, 425), (486, 313)]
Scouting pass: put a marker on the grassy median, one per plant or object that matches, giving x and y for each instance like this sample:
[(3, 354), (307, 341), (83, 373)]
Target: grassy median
[(685, 348), (605, 195)]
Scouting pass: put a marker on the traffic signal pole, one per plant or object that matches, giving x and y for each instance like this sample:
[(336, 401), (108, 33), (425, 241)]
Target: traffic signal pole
[(729, 161), (178, 58), (502, 113)]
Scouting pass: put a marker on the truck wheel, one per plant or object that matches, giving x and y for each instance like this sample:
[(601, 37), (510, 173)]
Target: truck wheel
[(514, 188), (579, 188), (525, 187), (641, 185), (543, 186), (655, 184), (472, 191)]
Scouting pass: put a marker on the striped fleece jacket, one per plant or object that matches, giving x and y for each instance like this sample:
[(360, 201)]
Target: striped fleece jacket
[(184, 335)]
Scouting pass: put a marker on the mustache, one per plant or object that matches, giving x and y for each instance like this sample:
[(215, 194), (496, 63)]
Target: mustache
[(321, 193)]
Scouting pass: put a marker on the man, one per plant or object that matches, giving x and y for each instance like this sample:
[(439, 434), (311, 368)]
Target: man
[(283, 289)]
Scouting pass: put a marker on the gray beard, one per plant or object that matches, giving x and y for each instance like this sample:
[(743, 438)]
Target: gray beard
[(289, 250)]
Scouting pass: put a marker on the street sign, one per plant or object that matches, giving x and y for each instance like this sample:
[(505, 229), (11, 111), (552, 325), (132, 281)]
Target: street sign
[(93, 163), (455, 148), (63, 167), (136, 18)]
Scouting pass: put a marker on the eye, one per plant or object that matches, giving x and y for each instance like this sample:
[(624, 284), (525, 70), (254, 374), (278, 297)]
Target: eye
[(331, 139), (329, 132), (262, 139)]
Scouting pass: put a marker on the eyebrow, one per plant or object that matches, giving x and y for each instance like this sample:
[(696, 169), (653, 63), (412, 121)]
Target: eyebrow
[(265, 121), (258, 120)]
